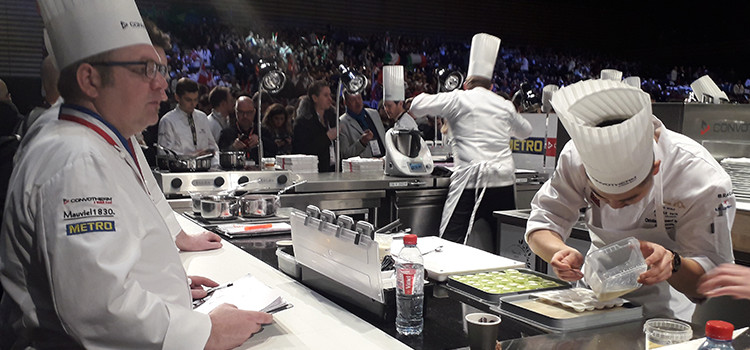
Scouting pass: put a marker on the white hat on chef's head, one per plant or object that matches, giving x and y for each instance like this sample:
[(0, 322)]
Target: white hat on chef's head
[(610, 74), (547, 93), (393, 83), (79, 29), (617, 157), (705, 86), (633, 81), (483, 55)]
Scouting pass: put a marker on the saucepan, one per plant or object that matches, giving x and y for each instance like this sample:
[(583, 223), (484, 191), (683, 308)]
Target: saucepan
[(182, 163), (261, 205), (220, 207), (231, 160)]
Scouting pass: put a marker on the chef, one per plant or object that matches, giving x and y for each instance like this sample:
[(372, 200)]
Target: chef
[(86, 259), (393, 98), (634, 178), (482, 124)]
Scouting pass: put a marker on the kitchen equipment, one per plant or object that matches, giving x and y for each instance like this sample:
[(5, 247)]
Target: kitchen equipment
[(220, 207), (534, 311), (196, 198), (181, 184), (406, 154), (663, 331), (172, 161), (232, 160), (456, 259), (613, 270), (259, 205), (492, 285)]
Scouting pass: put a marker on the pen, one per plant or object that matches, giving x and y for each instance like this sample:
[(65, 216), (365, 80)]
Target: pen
[(213, 289)]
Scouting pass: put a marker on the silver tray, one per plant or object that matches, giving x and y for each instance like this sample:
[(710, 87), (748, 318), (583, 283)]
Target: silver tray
[(556, 319)]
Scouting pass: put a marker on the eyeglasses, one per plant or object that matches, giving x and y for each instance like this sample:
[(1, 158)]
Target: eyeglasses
[(239, 112), (149, 68)]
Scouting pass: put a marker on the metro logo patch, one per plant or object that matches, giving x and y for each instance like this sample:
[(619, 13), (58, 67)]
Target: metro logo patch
[(531, 145), (90, 226)]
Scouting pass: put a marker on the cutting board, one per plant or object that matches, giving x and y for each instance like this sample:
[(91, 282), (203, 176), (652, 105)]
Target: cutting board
[(455, 259)]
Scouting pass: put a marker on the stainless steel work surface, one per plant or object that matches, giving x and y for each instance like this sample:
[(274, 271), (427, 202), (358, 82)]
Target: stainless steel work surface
[(332, 182)]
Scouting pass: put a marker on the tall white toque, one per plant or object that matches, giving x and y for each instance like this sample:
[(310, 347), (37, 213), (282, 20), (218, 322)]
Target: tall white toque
[(483, 54), (82, 28), (393, 83), (617, 157), (610, 74)]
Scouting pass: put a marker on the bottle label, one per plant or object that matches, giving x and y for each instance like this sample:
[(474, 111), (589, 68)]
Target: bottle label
[(407, 280)]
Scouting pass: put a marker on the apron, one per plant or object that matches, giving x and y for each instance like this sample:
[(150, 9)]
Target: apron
[(475, 172), (659, 299)]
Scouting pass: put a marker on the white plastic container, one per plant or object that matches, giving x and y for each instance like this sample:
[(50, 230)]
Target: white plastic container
[(613, 270)]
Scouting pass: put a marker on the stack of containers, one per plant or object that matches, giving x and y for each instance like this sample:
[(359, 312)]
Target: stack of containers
[(299, 163), (362, 165)]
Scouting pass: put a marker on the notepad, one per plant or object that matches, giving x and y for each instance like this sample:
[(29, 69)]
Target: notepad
[(246, 293)]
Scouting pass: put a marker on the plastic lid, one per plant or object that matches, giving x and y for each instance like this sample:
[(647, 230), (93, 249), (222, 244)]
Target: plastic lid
[(410, 240), (720, 330)]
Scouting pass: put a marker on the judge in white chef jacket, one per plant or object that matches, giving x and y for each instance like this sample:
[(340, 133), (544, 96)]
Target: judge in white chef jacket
[(86, 258), (635, 178), (393, 98), (482, 124)]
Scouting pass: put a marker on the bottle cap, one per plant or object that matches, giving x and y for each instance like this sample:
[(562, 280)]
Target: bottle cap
[(410, 240), (720, 330)]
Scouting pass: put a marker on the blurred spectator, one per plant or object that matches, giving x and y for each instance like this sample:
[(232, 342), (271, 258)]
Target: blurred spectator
[(315, 126), (243, 135), (277, 124), (362, 132), (222, 103)]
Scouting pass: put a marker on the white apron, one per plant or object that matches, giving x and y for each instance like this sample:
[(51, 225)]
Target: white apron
[(659, 299)]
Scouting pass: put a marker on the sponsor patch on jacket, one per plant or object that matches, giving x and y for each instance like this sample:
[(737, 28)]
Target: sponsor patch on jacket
[(92, 200), (90, 226)]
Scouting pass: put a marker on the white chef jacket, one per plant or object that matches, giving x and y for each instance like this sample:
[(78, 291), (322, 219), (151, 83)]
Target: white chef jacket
[(175, 133), (482, 124), (697, 202), (85, 254), (217, 122), (405, 122), (157, 195)]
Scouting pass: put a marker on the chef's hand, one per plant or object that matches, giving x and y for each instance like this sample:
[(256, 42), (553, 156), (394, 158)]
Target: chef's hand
[(196, 286), (205, 240), (252, 141), (366, 137), (230, 327), (331, 134), (726, 279), (659, 262), (567, 264)]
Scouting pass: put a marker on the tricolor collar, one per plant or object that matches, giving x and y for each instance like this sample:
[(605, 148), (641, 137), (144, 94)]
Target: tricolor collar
[(86, 114)]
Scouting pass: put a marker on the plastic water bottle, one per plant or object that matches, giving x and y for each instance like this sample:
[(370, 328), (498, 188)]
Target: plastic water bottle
[(718, 336), (409, 288)]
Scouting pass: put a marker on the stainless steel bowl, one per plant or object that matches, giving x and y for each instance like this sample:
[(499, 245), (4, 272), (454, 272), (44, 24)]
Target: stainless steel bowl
[(259, 205), (220, 207), (231, 160)]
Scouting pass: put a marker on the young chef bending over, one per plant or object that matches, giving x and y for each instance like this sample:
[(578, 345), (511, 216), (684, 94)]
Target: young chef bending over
[(86, 259), (636, 179)]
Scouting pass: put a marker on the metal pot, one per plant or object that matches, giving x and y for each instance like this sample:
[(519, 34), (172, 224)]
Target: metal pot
[(196, 198), (231, 160), (220, 207), (259, 205)]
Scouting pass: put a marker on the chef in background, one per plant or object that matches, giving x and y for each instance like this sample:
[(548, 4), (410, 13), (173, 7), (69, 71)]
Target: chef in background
[(86, 259), (635, 178), (482, 124), (393, 98)]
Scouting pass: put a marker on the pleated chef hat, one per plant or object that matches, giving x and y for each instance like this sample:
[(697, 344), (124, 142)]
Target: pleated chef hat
[(633, 81), (82, 28), (617, 157), (483, 55), (705, 86), (610, 74), (393, 83)]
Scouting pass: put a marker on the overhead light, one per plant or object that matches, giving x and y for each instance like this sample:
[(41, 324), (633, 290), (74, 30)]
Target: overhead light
[(449, 80), (272, 78), (352, 81)]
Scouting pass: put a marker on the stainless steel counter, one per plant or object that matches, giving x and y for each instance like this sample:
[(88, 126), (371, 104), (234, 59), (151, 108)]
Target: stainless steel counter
[(339, 182)]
